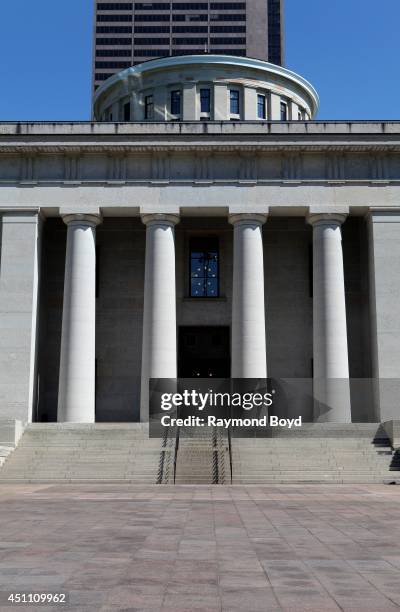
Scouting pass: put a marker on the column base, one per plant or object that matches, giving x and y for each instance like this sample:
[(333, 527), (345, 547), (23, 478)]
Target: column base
[(332, 402)]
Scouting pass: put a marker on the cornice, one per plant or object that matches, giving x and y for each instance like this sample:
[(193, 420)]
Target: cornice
[(212, 182), (195, 148)]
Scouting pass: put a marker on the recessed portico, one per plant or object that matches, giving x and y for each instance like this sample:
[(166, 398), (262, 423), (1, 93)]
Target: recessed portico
[(144, 303), (175, 198)]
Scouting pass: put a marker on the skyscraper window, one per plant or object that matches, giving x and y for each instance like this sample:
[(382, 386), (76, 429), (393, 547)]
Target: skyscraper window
[(235, 19)]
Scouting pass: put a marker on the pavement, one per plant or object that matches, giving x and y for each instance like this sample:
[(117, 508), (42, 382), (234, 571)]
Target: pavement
[(202, 548)]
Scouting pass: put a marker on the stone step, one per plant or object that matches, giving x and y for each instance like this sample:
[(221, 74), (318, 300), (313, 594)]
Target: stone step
[(124, 453), (328, 453), (75, 453), (309, 444), (82, 478)]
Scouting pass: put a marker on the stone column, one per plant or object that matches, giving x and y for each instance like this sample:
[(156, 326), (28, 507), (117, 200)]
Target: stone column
[(331, 362), (190, 110), (221, 102), (250, 104), (159, 350), (137, 102), (384, 285), (275, 108), (20, 255), (160, 100), (76, 394), (248, 304)]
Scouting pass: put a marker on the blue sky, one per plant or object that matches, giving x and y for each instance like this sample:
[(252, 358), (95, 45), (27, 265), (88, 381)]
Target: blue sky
[(348, 49)]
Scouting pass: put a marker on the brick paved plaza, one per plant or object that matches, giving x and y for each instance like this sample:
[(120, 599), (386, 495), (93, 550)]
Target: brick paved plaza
[(247, 549)]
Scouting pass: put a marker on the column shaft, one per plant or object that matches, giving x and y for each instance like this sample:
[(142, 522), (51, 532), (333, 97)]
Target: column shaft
[(76, 396), (331, 363), (248, 302), (159, 351)]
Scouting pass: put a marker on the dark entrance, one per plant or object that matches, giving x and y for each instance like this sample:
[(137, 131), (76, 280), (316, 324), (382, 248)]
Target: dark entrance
[(204, 352)]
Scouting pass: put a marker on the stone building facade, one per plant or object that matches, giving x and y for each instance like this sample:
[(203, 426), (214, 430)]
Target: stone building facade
[(103, 224)]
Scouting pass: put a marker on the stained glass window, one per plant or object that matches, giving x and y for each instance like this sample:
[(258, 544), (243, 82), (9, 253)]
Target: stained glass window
[(204, 267)]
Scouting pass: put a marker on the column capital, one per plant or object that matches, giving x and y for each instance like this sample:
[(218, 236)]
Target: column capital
[(160, 219), (247, 218), (90, 220), (326, 218)]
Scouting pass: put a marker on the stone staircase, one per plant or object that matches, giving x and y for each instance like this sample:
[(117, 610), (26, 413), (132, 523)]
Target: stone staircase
[(316, 453), (4, 452), (10, 434), (202, 456), (117, 453), (108, 453)]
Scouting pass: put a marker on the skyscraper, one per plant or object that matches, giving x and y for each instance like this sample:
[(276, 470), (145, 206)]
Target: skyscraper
[(128, 33)]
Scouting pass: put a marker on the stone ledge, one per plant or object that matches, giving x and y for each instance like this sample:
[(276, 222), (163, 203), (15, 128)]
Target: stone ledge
[(11, 431), (392, 429), (72, 128)]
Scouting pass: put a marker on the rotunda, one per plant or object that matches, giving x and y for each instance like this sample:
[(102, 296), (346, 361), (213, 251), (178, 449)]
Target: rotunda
[(205, 88)]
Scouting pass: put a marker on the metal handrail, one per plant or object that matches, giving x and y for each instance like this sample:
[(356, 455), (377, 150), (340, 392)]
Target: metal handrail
[(161, 466), (177, 435), (214, 441), (230, 452)]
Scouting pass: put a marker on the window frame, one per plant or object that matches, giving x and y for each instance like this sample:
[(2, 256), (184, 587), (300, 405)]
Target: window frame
[(126, 111), (178, 94), (149, 116), (233, 90), (205, 249), (205, 112), (284, 105), (263, 97), (302, 114)]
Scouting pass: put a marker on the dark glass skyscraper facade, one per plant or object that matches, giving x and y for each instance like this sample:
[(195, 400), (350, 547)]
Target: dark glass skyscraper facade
[(127, 33), (275, 31)]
